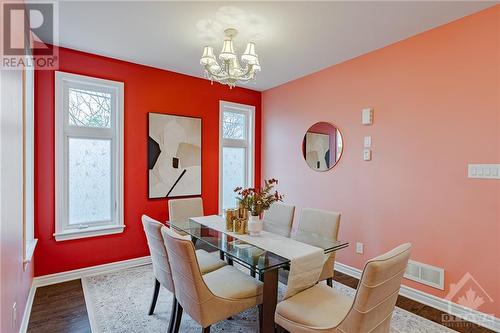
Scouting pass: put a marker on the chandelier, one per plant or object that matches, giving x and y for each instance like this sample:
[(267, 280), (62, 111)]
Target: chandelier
[(228, 70)]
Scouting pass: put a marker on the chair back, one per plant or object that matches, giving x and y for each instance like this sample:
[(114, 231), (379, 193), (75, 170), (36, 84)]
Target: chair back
[(279, 219), (181, 210), (320, 222), (190, 288), (377, 292), (159, 257), (325, 223)]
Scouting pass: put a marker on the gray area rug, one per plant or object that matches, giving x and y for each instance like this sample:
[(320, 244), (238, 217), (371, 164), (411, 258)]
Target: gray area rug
[(118, 302)]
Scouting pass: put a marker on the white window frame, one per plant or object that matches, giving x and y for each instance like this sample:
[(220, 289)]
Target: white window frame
[(63, 230), (29, 164), (248, 143)]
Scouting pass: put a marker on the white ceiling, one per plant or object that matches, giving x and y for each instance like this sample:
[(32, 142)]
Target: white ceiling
[(293, 38)]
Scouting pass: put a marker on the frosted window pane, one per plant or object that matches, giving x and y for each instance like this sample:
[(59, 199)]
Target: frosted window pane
[(89, 186), (233, 125), (89, 108), (233, 173)]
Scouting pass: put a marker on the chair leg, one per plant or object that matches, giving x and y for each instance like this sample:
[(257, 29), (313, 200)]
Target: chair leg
[(280, 329), (178, 318), (260, 317), (173, 315), (329, 282), (205, 330), (155, 297)]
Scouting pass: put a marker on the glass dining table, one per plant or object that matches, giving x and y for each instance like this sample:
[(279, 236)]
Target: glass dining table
[(259, 261)]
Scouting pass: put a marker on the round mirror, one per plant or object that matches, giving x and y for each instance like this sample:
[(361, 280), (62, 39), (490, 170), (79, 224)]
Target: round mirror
[(322, 146)]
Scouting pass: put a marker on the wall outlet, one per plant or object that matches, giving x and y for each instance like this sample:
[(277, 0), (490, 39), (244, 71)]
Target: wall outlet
[(359, 248), (13, 321)]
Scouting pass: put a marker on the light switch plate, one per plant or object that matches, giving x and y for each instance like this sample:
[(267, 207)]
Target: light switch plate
[(367, 141), (367, 155), (484, 171), (367, 116)]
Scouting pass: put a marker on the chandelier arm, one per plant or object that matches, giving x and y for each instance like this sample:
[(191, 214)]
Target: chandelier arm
[(218, 76), (243, 77), (225, 77), (248, 75), (249, 70)]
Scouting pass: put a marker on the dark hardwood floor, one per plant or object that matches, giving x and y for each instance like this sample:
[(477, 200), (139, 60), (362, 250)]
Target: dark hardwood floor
[(60, 308)]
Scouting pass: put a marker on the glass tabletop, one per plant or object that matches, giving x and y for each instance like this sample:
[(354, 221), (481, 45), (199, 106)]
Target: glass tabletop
[(248, 255)]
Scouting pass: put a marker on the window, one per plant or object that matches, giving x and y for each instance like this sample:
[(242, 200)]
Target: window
[(89, 156), (29, 164), (236, 153)]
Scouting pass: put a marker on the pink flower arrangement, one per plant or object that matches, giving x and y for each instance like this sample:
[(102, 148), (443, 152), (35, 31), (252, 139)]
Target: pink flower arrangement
[(258, 200)]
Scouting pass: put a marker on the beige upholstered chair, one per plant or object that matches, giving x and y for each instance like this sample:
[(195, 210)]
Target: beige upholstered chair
[(211, 297), (325, 223), (279, 218), (323, 309), (180, 210), (161, 266)]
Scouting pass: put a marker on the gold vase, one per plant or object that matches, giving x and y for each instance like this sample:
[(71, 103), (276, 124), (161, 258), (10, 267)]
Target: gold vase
[(231, 215), (240, 225), (242, 212)]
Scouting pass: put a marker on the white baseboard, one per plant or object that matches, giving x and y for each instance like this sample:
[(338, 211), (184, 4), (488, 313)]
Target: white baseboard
[(351, 271), (27, 310), (441, 304), (46, 280)]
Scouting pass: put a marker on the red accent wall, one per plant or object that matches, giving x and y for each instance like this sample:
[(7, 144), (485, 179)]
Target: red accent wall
[(147, 89)]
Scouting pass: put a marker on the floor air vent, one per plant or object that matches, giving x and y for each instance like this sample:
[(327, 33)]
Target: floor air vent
[(425, 274)]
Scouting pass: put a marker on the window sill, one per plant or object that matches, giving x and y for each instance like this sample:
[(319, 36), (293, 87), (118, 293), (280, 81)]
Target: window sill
[(88, 232), (30, 249)]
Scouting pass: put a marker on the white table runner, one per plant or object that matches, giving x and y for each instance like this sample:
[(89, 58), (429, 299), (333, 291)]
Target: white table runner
[(306, 261)]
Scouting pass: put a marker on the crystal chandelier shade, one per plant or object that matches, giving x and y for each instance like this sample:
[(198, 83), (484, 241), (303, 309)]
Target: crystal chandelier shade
[(228, 69)]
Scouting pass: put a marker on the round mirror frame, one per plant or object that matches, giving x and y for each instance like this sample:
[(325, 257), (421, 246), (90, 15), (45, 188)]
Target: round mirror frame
[(320, 142)]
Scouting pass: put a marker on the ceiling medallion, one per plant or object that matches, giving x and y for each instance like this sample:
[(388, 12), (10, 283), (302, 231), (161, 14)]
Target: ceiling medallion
[(229, 71)]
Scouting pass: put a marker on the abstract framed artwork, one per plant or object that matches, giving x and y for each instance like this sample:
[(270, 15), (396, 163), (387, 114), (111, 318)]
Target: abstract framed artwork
[(174, 156)]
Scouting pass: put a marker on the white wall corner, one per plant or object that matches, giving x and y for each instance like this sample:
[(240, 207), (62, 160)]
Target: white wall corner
[(27, 310)]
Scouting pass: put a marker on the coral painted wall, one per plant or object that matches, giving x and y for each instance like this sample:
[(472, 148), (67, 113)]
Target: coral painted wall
[(146, 90), (436, 101)]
